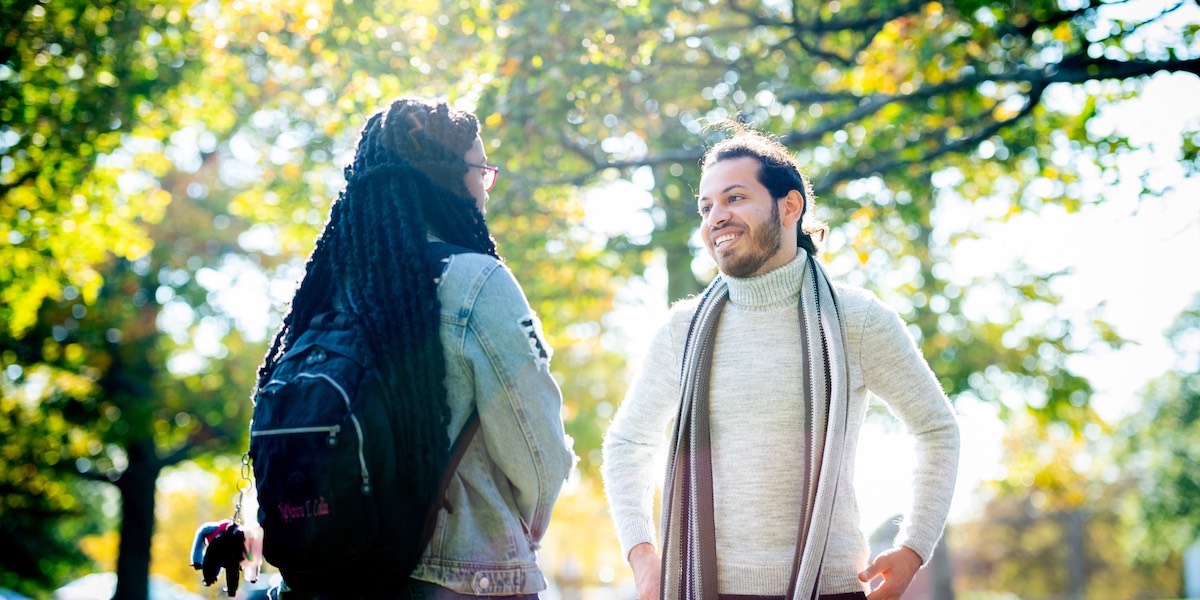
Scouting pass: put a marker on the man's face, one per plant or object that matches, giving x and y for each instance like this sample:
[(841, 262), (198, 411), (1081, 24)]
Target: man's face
[(740, 221)]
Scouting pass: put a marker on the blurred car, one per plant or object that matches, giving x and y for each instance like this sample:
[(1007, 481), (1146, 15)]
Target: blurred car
[(100, 586)]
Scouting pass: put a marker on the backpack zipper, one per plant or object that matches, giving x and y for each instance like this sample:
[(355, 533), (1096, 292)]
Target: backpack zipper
[(332, 430), (362, 461)]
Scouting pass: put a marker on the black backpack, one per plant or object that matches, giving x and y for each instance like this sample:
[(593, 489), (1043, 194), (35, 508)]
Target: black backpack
[(335, 518)]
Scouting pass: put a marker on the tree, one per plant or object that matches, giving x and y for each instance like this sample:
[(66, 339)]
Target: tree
[(42, 514), (1110, 513), (151, 373), (78, 83), (1159, 452), (136, 358), (895, 109), (1052, 526), (233, 120), (75, 79), (129, 347)]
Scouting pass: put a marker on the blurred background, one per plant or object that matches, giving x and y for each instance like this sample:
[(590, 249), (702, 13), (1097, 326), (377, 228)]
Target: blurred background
[(1019, 179)]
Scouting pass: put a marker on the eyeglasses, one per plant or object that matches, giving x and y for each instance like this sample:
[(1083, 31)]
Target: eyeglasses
[(490, 174)]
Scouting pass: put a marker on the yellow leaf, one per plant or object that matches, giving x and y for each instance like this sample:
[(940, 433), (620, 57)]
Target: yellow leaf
[(510, 67), (101, 548), (1062, 33)]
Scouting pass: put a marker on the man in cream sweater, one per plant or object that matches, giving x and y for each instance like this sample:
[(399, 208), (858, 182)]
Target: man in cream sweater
[(767, 378)]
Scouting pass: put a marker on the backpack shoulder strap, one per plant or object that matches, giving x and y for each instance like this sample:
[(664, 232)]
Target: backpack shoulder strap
[(440, 252), (457, 452)]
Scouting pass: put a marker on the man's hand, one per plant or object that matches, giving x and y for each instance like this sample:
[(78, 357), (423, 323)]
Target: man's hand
[(897, 566), (646, 569)]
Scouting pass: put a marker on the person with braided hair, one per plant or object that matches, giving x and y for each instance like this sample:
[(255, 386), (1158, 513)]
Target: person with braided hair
[(454, 338)]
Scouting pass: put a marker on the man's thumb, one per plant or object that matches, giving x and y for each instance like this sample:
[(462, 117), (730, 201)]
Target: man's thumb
[(869, 573)]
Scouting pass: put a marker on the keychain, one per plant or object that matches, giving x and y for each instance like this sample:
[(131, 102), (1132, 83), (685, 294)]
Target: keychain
[(228, 544)]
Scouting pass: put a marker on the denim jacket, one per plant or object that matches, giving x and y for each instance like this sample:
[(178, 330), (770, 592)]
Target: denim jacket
[(501, 494)]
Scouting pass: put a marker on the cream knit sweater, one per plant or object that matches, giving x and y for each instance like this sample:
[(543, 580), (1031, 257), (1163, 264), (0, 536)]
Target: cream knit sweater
[(757, 443)]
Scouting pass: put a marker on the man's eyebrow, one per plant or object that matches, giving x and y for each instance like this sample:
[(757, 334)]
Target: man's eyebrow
[(724, 191)]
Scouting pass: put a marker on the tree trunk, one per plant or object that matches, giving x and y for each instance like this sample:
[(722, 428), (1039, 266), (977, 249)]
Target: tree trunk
[(137, 485), (1076, 560), (681, 282), (673, 235)]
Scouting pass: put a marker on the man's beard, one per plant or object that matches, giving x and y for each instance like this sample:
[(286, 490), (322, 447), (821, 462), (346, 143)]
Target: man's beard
[(763, 246)]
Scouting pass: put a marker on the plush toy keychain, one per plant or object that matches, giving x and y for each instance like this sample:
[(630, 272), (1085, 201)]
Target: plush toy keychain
[(220, 545), (227, 545)]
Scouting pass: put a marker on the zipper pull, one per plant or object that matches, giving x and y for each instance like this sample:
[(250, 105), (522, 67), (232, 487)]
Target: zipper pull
[(332, 440)]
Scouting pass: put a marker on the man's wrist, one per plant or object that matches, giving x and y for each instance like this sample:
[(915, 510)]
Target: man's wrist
[(640, 551), (915, 555)]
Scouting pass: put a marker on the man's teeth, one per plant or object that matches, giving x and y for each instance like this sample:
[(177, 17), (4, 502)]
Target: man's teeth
[(722, 239)]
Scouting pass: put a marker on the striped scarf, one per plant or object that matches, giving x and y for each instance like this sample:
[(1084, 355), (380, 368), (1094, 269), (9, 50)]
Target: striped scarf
[(689, 569)]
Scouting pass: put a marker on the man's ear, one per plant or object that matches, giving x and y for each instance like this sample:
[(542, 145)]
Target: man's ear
[(791, 208)]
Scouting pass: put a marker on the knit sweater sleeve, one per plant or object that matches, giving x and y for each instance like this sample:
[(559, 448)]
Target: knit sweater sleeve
[(895, 371), (635, 438)]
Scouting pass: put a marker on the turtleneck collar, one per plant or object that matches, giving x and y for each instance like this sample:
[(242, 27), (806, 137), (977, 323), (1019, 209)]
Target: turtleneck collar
[(780, 287)]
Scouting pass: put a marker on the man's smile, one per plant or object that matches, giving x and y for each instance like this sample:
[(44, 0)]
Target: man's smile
[(724, 238)]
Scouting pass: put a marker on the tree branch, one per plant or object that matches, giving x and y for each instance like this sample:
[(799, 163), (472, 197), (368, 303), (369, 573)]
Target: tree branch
[(866, 169), (868, 39), (205, 438), (1164, 13), (95, 476), (597, 165), (816, 51), (1080, 68), (1026, 29), (1074, 69), (867, 108), (809, 96), (178, 455), (869, 105), (749, 13), (860, 24)]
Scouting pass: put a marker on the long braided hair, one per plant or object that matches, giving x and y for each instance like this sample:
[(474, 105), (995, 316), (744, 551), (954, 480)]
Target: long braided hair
[(406, 181)]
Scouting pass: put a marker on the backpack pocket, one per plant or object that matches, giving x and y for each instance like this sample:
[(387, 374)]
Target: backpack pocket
[(315, 490)]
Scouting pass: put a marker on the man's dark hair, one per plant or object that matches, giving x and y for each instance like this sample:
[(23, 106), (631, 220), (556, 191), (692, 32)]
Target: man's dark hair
[(777, 171), (405, 182)]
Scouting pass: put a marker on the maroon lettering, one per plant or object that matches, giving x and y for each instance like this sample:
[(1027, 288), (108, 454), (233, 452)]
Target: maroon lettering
[(309, 508)]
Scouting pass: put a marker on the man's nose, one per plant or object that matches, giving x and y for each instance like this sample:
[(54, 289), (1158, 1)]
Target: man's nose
[(717, 215)]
